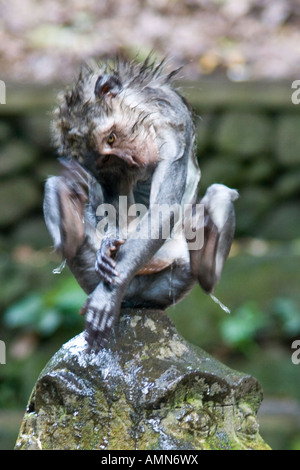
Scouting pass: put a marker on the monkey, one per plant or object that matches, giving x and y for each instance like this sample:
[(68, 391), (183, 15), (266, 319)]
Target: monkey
[(123, 132)]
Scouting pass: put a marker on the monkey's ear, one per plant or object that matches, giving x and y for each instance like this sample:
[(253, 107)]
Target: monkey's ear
[(107, 85)]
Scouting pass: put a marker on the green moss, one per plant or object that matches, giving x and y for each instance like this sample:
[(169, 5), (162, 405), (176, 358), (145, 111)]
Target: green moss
[(179, 399)]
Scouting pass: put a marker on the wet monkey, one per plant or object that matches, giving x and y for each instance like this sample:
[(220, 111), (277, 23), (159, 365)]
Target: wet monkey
[(126, 135)]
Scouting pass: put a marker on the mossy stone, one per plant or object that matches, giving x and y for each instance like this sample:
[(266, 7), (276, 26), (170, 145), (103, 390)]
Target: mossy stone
[(150, 390)]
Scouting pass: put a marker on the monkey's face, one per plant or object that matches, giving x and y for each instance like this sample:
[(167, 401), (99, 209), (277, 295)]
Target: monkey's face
[(112, 148), (120, 146), (106, 127)]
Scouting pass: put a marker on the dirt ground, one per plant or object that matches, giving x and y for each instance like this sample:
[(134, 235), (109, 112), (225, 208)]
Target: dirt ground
[(45, 41)]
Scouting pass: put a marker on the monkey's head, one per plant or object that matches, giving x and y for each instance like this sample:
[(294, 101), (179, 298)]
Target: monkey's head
[(109, 120)]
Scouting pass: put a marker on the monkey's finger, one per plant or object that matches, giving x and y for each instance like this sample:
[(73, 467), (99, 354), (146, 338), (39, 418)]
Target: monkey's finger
[(118, 242), (115, 247), (106, 259), (105, 278), (105, 272), (103, 259)]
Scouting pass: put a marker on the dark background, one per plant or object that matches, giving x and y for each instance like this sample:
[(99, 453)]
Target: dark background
[(240, 59)]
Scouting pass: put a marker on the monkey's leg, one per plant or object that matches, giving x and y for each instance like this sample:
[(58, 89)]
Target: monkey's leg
[(73, 233), (64, 214), (159, 290), (219, 226), (157, 287)]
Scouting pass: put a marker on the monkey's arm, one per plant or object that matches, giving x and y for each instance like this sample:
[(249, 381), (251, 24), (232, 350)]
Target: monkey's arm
[(168, 185), (64, 203)]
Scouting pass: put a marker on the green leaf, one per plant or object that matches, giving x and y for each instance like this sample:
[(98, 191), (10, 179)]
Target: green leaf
[(25, 312), (49, 322), (288, 313), (239, 329), (70, 301), (67, 298)]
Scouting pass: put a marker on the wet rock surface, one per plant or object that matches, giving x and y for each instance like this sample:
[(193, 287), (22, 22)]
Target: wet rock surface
[(150, 390)]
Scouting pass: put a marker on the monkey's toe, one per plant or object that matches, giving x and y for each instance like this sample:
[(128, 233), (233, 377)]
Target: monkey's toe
[(95, 342), (98, 327)]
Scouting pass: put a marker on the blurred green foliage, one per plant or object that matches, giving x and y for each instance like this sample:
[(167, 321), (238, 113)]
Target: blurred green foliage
[(34, 327), (239, 331), (287, 313), (260, 290), (45, 313), (250, 323)]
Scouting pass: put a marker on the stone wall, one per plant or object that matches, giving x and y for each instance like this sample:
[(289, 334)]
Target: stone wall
[(248, 138)]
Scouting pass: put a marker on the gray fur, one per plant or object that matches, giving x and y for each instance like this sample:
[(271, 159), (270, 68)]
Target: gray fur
[(153, 163)]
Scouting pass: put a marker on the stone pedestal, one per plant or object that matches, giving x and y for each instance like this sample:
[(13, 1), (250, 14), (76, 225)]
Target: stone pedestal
[(150, 390)]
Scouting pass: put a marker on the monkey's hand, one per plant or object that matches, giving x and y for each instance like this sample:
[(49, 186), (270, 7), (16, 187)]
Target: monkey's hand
[(102, 311), (105, 265)]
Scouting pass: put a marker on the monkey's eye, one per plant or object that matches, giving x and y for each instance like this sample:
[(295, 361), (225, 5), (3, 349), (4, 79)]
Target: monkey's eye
[(111, 138)]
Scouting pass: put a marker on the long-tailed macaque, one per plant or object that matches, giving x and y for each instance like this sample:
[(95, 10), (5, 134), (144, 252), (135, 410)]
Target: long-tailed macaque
[(127, 136)]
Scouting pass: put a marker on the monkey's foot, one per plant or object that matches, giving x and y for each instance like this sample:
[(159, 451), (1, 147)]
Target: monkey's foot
[(101, 311), (95, 337), (99, 326), (105, 266)]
